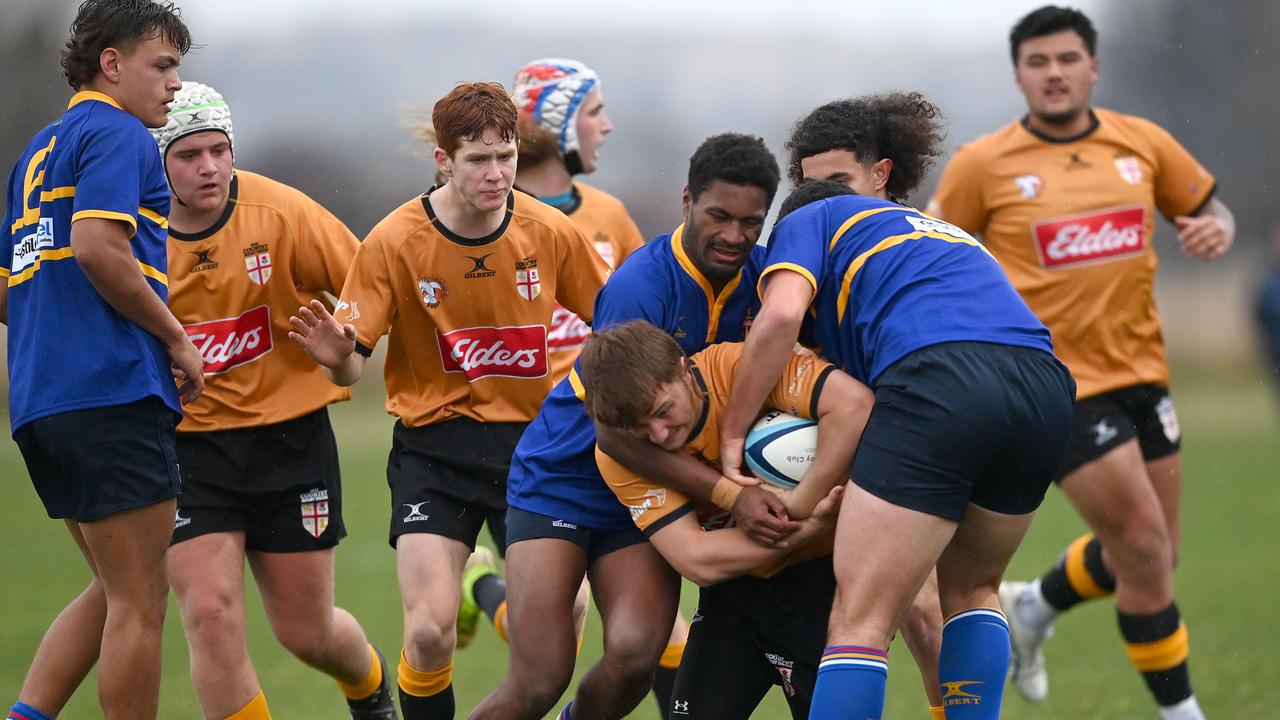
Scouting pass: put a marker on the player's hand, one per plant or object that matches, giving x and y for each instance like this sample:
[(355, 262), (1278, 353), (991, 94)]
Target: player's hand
[(731, 462), (823, 517), (188, 369), (326, 340), (1203, 237), (763, 517)]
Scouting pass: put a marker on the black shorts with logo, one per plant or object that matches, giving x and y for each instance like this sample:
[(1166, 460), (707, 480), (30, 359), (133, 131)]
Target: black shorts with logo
[(1104, 422), (966, 422), (93, 463), (750, 634), (279, 484), (525, 525), (449, 478)]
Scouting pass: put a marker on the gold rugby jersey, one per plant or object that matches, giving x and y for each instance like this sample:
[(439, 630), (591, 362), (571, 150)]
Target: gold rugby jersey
[(653, 506), (1071, 221), (234, 286), (607, 224), (468, 318)]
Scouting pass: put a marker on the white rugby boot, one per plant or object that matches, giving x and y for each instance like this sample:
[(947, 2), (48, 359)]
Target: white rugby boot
[(1026, 641)]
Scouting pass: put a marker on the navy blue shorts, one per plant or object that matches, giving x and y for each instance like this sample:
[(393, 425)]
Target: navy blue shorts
[(90, 464), (1104, 422), (967, 422), (525, 525)]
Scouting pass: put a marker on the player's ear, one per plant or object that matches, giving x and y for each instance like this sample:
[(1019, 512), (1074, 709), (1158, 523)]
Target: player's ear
[(686, 202), (880, 171), (444, 164), (109, 64)]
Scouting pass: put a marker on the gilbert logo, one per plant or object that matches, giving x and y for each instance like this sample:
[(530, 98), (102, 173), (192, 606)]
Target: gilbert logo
[(1099, 236), (479, 352), (232, 342), (568, 331)]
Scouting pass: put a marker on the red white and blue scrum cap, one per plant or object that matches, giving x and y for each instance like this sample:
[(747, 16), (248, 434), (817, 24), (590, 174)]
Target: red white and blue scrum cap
[(195, 108), (551, 92)]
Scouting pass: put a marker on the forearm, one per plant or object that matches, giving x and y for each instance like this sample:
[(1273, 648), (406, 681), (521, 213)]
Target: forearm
[(716, 555), (838, 436), (678, 471), (1218, 210), (346, 372), (764, 355)]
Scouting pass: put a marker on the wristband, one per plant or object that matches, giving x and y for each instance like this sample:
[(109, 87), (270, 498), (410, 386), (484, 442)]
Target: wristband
[(725, 493)]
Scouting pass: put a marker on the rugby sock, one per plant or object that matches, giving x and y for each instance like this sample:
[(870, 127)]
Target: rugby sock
[(1188, 709), (425, 694), (369, 685), (664, 679), (500, 622), (490, 592), (23, 711), (1158, 646), (255, 710), (1078, 575), (564, 714), (937, 713), (973, 663), (851, 683)]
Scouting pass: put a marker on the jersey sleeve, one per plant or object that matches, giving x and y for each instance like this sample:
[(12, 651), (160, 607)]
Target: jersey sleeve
[(652, 506), (581, 272), (800, 386), (110, 170), (959, 198), (798, 244), (627, 296), (368, 295), (1182, 184), (323, 248)]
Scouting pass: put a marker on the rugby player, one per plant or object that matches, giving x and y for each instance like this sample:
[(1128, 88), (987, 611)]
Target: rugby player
[(467, 362), (970, 419), (92, 401), (768, 627), (696, 284), (259, 458), (1066, 198)]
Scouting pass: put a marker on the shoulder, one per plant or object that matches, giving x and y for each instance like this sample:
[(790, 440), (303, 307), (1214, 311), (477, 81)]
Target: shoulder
[(393, 231), (990, 144), (531, 212), (262, 190), (599, 198), (100, 120)]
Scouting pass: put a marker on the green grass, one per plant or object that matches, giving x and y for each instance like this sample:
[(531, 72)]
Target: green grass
[(1228, 585)]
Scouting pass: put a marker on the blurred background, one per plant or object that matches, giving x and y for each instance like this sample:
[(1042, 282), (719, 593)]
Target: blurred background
[(321, 91)]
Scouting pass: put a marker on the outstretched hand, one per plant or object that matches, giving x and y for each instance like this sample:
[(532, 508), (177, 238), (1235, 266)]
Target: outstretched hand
[(326, 340)]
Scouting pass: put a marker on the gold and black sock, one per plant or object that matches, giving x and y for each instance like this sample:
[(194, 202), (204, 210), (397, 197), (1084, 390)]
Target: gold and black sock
[(1078, 575), (425, 694), (664, 678), (1158, 646)]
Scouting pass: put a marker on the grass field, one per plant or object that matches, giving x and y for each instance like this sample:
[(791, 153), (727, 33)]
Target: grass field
[(1228, 584)]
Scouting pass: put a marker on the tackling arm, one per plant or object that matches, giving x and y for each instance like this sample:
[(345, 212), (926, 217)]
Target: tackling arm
[(843, 410)]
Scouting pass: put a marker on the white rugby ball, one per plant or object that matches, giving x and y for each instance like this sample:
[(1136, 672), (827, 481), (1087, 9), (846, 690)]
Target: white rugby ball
[(780, 448)]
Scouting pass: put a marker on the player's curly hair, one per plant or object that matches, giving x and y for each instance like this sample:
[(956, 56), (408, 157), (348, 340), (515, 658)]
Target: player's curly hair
[(904, 127), (812, 192), (623, 367), (734, 158), (120, 24), (1052, 19)]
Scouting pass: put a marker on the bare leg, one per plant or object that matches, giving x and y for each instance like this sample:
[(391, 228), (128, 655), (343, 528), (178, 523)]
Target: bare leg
[(922, 632)]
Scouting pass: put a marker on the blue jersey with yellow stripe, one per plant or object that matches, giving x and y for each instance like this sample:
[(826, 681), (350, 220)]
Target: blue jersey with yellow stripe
[(553, 470), (889, 280), (68, 349)]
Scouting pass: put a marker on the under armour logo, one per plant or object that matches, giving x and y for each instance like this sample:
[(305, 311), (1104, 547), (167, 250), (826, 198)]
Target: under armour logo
[(1102, 432), (680, 707), (415, 512)]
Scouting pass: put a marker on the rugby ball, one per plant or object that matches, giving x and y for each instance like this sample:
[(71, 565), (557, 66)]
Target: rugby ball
[(780, 448)]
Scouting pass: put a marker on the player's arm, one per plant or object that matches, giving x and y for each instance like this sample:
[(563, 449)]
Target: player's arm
[(843, 409), (1208, 233), (710, 557), (101, 248), (764, 355), (4, 300), (330, 343), (760, 513)]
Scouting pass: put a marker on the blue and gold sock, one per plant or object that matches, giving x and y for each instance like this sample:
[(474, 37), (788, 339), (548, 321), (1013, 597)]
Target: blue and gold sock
[(973, 664), (566, 713), (23, 711), (1158, 646), (851, 683), (425, 694), (1079, 575)]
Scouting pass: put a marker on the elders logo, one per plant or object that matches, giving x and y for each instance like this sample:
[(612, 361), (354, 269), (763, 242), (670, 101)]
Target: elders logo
[(1099, 236), (479, 352), (568, 331), (232, 342)]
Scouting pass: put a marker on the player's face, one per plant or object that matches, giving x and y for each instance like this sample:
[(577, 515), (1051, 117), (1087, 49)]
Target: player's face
[(722, 225), (199, 168), (675, 412), (842, 166), (147, 78), (1056, 74), (482, 170), (593, 126)]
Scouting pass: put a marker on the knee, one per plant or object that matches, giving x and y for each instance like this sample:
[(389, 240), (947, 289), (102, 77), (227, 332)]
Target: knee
[(1141, 547), (922, 624), (430, 637), (308, 641), (213, 619), (634, 653), (541, 690)]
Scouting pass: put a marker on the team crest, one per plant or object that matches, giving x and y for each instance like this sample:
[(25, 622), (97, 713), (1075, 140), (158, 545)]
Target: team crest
[(1168, 419), (257, 262), (315, 511), (605, 249), (1029, 186), (528, 283), (1130, 170), (433, 291)]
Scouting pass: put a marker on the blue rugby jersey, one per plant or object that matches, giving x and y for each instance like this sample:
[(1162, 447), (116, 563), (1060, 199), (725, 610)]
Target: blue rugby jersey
[(68, 349), (553, 470), (890, 280)]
